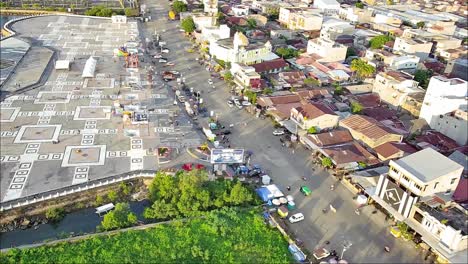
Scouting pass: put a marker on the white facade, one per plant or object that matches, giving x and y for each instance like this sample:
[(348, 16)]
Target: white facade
[(333, 29), (327, 5), (394, 91), (240, 10), (210, 6), (215, 33), (419, 48), (239, 50), (300, 18), (404, 62), (454, 125), (327, 49), (443, 95)]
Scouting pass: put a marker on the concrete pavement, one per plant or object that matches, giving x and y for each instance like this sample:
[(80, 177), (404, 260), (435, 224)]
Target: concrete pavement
[(367, 232)]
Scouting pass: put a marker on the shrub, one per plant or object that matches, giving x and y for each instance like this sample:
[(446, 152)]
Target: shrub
[(327, 162), (55, 214)]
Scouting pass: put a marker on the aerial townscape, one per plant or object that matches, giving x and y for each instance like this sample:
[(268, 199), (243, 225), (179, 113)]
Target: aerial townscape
[(234, 131)]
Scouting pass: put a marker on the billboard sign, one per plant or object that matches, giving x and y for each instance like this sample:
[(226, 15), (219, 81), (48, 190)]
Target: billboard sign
[(227, 156)]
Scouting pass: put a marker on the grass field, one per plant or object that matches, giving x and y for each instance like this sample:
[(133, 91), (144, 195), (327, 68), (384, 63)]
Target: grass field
[(223, 236)]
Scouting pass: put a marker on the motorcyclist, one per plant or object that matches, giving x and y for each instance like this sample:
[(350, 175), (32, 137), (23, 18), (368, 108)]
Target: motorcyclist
[(288, 187)]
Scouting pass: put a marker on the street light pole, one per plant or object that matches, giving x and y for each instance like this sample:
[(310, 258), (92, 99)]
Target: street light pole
[(345, 247)]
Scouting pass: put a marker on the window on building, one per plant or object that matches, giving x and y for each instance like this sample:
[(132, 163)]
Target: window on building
[(406, 178), (419, 187), (452, 181), (418, 216), (436, 184)]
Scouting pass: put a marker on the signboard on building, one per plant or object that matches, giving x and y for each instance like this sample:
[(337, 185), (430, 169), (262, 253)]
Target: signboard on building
[(227, 156)]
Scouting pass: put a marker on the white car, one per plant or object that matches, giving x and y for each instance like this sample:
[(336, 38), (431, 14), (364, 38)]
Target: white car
[(230, 103), (246, 103), (278, 132), (174, 72), (296, 218), (158, 56), (162, 60), (210, 81), (238, 104), (165, 51)]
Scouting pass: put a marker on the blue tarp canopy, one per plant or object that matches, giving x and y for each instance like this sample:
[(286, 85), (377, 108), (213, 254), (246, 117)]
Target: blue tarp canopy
[(264, 194), (296, 252)]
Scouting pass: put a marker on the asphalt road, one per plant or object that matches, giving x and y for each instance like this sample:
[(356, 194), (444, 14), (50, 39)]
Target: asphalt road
[(368, 233)]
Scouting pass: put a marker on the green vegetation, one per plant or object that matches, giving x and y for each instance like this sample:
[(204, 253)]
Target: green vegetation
[(179, 6), (423, 77), (228, 76), (350, 52), (362, 68), (287, 53), (224, 236), (420, 24), (272, 13), (405, 231), (190, 193), (220, 18), (327, 162), (55, 214), (338, 90), (120, 217), (359, 5), (311, 81), (112, 196), (100, 11), (362, 165), (267, 91), (312, 130), (356, 107), (131, 12), (252, 23), (252, 96), (377, 42), (188, 25)]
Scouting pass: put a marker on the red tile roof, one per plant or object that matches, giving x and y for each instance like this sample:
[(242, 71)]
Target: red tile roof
[(270, 65), (368, 100), (389, 149), (440, 141), (350, 153), (367, 126), (380, 113), (331, 138), (314, 110)]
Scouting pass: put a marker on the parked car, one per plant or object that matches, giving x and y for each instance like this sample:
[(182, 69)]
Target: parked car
[(165, 51), (210, 81), (296, 218), (278, 132), (238, 104), (174, 72), (246, 103), (157, 56), (305, 190), (162, 60), (230, 103)]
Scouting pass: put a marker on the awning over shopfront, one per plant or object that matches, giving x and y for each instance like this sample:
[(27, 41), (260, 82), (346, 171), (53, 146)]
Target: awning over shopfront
[(291, 126)]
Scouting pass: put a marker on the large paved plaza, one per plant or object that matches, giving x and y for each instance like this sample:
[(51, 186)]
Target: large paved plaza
[(66, 130)]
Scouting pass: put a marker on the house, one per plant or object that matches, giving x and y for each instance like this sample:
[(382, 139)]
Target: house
[(354, 14), (334, 29), (239, 50), (453, 124), (314, 115), (292, 79), (462, 159), (369, 131), (202, 20), (442, 226), (327, 139), (413, 103), (214, 33), (245, 76), (417, 175), (240, 10), (297, 18), (349, 156), (393, 150), (457, 69), (327, 6), (394, 86), (436, 140), (417, 47), (210, 6), (329, 51), (443, 95), (273, 66)]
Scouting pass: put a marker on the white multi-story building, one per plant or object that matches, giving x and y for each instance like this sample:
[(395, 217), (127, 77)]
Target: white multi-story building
[(240, 50), (332, 29), (420, 174), (454, 125), (393, 87), (443, 95), (328, 50), (240, 10), (300, 18), (327, 6), (417, 47), (210, 6), (214, 33)]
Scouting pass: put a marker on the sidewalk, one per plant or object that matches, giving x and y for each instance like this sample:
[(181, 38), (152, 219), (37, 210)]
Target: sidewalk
[(197, 154)]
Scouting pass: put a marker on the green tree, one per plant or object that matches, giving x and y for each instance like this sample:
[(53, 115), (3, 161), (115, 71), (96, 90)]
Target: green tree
[(350, 52), (124, 189), (267, 91), (356, 107), (251, 23), (311, 81), (188, 25), (327, 162), (179, 6), (420, 24), (228, 76), (362, 68), (272, 13), (377, 42), (112, 196), (287, 53), (130, 12), (120, 217), (423, 77), (312, 130), (100, 200), (359, 5), (55, 214), (338, 90), (362, 165), (240, 194), (220, 17)]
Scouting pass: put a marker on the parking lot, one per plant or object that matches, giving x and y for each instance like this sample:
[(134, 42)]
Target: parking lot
[(368, 233)]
